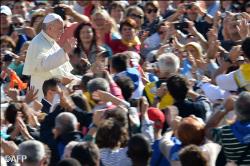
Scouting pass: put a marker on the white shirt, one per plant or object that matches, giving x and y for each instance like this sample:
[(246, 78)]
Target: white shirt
[(45, 59), (227, 82)]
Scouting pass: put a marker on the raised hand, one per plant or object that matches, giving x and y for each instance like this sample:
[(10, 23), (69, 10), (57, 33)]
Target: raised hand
[(143, 107), (243, 28), (31, 95), (234, 53), (13, 94), (69, 45)]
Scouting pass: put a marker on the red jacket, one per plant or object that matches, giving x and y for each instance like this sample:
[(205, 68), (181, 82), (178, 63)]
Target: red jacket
[(117, 45)]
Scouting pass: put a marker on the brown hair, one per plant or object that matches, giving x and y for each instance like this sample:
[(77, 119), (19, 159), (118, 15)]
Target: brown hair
[(155, 4), (12, 110), (192, 155), (34, 17), (9, 40), (116, 4), (191, 131), (111, 134), (128, 22)]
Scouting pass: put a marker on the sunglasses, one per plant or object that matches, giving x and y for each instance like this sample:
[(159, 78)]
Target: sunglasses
[(18, 24), (136, 16), (151, 10)]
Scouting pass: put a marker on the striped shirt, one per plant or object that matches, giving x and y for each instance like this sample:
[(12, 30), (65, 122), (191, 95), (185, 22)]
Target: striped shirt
[(118, 157), (232, 148)]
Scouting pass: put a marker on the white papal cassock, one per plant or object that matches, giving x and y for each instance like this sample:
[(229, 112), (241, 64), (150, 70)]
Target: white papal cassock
[(46, 59)]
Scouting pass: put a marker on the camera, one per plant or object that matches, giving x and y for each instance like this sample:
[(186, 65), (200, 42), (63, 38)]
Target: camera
[(188, 6), (60, 11), (20, 30), (181, 25), (7, 58), (226, 57)]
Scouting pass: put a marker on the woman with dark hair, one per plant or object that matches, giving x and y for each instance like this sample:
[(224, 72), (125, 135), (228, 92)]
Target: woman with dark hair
[(153, 17), (88, 49), (88, 44), (21, 124)]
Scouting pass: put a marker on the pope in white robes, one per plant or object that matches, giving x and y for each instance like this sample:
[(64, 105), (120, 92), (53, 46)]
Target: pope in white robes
[(45, 58)]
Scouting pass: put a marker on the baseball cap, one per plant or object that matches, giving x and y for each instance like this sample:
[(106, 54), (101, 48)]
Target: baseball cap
[(6, 10), (156, 114)]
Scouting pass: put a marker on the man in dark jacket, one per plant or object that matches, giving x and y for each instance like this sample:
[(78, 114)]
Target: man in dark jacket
[(179, 89)]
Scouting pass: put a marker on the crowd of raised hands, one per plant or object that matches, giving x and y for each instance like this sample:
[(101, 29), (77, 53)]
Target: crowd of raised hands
[(158, 83)]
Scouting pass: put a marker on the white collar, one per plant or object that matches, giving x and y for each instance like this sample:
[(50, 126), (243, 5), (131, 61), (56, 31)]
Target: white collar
[(47, 37)]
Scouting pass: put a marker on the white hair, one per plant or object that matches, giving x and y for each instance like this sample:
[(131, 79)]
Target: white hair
[(66, 122), (169, 63), (242, 105), (33, 150)]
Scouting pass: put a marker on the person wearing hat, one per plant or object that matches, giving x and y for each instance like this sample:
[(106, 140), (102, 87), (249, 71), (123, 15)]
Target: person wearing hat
[(45, 58), (6, 27)]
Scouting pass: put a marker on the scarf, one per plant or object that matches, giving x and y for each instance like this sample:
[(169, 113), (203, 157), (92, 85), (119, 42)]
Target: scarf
[(131, 43), (241, 131)]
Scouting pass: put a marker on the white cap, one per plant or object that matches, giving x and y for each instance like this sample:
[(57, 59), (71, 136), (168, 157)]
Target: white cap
[(52, 17), (6, 10)]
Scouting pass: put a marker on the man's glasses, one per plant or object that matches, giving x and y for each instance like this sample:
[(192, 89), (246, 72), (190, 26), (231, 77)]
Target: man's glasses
[(136, 16), (151, 10)]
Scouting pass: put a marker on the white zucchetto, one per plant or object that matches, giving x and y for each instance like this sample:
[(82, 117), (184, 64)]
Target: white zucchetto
[(52, 17)]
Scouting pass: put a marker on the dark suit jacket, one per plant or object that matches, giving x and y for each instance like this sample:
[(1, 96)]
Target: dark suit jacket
[(46, 106)]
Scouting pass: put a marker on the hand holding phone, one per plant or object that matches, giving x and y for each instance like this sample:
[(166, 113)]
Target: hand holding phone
[(20, 31), (181, 25)]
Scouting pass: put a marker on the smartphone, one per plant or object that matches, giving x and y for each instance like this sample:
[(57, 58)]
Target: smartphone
[(226, 57), (76, 87), (181, 25), (20, 30), (60, 11)]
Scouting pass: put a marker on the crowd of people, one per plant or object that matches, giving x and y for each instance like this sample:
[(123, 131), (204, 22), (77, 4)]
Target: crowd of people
[(125, 83)]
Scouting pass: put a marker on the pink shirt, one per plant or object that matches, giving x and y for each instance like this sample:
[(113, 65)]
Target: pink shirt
[(68, 32)]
